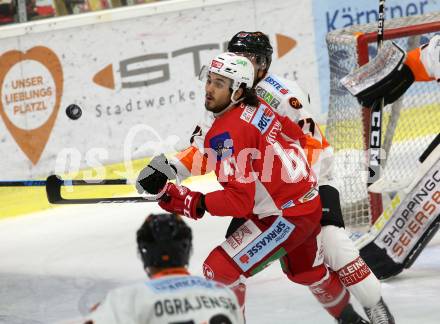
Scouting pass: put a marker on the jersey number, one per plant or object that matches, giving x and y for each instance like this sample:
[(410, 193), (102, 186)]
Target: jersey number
[(309, 123), (216, 319), (294, 162)]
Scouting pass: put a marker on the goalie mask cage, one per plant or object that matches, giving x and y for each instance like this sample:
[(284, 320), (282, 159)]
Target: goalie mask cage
[(408, 125)]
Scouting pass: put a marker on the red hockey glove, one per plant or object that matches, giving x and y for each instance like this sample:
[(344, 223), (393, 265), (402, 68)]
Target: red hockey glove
[(181, 200)]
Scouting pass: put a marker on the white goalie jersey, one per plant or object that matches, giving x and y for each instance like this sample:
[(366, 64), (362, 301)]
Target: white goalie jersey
[(425, 60), (430, 57), (169, 299)]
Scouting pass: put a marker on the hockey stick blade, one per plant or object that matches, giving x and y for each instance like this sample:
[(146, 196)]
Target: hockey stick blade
[(53, 191)]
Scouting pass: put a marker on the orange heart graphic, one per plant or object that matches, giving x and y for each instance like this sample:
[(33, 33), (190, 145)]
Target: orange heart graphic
[(33, 94)]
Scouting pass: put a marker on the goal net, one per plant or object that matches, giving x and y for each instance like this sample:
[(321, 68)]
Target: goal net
[(408, 125)]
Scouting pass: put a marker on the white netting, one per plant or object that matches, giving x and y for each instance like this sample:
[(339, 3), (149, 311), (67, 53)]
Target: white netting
[(417, 117)]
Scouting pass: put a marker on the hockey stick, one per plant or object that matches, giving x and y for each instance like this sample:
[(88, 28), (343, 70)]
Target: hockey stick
[(375, 137), (53, 191), (42, 183)]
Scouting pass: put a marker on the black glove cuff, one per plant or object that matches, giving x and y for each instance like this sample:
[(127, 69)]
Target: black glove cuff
[(203, 205)]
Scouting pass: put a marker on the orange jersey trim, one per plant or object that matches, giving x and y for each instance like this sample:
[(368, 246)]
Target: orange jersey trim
[(313, 147), (170, 272), (193, 160), (416, 65)]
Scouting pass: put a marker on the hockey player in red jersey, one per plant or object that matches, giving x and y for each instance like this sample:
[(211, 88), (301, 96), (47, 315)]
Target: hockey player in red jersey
[(172, 295), (288, 99), (267, 181)]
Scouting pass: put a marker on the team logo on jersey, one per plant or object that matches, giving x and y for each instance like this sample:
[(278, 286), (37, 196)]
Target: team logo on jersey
[(288, 204), (244, 258), (354, 272), (277, 85), (271, 137), (208, 272), (311, 194), (238, 240), (295, 103), (222, 145), (247, 113), (263, 118), (264, 244), (269, 98)]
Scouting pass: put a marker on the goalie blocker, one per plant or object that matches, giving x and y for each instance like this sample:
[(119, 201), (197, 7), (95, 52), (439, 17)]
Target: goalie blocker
[(386, 76), (393, 245)]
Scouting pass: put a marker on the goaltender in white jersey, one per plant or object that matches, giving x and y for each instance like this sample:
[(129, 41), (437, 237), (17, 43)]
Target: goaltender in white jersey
[(425, 60), (172, 295)]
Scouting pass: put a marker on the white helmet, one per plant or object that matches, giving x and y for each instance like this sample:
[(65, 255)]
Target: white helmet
[(235, 67)]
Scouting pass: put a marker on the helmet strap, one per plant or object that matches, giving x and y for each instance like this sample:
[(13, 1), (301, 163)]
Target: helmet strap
[(233, 101)]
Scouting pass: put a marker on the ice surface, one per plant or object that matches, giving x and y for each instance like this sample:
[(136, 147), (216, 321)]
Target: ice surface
[(55, 264)]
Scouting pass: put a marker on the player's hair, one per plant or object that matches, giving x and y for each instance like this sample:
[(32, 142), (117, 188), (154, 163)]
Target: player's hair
[(250, 96), (164, 241)]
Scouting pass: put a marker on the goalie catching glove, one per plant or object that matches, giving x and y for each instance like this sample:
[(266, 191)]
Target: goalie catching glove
[(154, 176), (181, 200)]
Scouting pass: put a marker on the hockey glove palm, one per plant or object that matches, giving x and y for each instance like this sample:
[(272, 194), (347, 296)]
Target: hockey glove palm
[(155, 175), (181, 200)]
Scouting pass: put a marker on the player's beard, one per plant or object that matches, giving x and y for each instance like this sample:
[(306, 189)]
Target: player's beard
[(217, 108)]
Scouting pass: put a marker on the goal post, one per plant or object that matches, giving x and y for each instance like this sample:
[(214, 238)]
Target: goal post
[(408, 125)]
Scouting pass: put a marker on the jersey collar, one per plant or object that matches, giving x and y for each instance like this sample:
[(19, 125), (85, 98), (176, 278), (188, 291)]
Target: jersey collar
[(170, 272)]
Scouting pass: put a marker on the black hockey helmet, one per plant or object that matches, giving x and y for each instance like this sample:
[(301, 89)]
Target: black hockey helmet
[(164, 241), (252, 42)]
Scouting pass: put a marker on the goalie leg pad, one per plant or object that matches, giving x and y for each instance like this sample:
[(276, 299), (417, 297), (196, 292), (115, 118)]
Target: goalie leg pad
[(396, 244), (384, 266)]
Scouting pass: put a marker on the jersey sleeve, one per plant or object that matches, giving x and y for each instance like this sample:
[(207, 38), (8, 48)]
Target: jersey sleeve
[(116, 307), (190, 162), (296, 106), (235, 199), (424, 61)]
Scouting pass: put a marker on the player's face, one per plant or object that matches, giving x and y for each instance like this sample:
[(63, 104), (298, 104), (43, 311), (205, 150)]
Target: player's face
[(218, 94)]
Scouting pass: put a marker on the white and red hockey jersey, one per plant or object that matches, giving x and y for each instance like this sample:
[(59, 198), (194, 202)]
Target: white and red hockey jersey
[(288, 99), (169, 299)]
